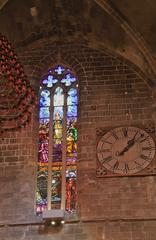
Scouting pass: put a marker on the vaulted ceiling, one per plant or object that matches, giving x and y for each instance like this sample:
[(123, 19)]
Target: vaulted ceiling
[(141, 15), (125, 27)]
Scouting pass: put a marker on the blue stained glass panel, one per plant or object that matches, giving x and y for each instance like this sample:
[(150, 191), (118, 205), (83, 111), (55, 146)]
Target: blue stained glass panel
[(58, 97), (59, 70), (45, 98), (72, 159), (49, 81), (71, 173), (68, 80), (58, 113), (72, 92), (72, 97), (44, 120), (44, 112), (72, 111)]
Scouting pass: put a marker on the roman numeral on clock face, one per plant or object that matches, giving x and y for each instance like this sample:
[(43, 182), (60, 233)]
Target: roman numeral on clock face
[(126, 167), (138, 164), (116, 165), (105, 141), (144, 139), (145, 157), (106, 159), (114, 135), (148, 148), (125, 132)]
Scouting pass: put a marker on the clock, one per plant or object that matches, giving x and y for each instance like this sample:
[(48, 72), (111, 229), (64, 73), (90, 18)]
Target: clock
[(126, 150)]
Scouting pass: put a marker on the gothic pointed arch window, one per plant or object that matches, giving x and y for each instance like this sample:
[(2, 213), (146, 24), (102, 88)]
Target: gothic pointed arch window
[(57, 147)]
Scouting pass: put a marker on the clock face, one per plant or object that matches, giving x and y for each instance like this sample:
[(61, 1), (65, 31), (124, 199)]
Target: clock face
[(126, 150)]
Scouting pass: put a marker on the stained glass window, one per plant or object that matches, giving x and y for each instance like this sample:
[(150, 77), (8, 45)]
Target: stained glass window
[(57, 145)]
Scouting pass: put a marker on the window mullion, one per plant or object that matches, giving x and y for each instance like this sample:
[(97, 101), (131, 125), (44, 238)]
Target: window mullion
[(50, 157), (64, 151)]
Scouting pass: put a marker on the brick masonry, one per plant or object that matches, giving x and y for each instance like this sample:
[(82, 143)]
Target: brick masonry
[(113, 92)]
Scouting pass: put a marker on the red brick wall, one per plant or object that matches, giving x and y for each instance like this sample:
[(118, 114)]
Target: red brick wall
[(113, 93)]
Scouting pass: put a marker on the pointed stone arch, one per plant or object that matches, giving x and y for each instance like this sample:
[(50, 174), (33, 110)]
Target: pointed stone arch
[(131, 32)]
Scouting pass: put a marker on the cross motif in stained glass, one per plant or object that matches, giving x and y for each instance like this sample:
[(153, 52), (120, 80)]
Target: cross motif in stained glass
[(59, 70), (68, 80), (49, 81)]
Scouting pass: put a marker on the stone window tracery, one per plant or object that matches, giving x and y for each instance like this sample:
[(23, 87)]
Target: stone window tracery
[(57, 146)]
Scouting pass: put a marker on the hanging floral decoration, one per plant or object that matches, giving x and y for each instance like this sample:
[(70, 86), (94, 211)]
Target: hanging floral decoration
[(17, 98)]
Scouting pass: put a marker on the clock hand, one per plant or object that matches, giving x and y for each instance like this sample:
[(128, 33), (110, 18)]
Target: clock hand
[(124, 150), (130, 143), (133, 140)]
